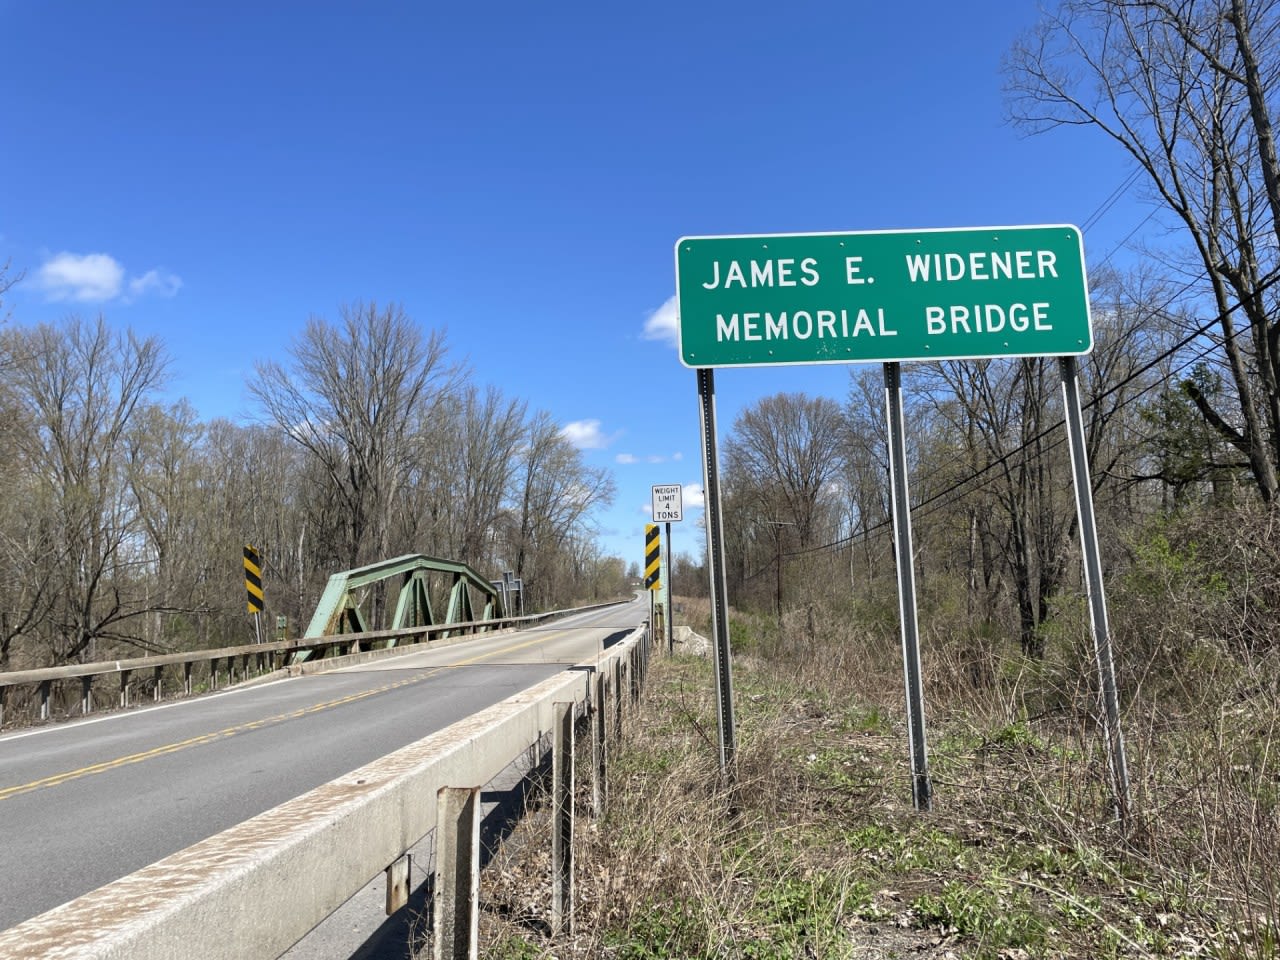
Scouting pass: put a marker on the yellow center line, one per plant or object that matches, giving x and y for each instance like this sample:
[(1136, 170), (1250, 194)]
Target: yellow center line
[(60, 778)]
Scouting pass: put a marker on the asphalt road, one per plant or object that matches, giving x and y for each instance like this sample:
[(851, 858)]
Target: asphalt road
[(84, 803)]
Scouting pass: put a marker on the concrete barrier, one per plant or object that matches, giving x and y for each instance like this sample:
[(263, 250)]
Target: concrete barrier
[(257, 888)]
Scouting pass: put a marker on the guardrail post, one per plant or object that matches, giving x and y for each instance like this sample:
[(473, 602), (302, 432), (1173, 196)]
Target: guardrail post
[(562, 820), (44, 699), (159, 677), (3, 691), (86, 695), (615, 689), (186, 676), (398, 883), (124, 688), (457, 886), (598, 745)]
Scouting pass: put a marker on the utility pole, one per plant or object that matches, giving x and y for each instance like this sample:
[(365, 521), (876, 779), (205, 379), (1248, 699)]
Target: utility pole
[(777, 564), (777, 540)]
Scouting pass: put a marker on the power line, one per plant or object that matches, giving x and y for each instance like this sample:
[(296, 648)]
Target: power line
[(1204, 328), (1116, 249), (1058, 424), (1111, 200)]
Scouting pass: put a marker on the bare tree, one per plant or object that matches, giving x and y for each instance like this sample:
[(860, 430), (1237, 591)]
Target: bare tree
[(356, 397), (1002, 411), (1183, 87), (7, 280), (781, 487), (252, 484), (162, 452), (552, 497), (865, 463), (786, 449), (82, 387), (999, 472), (26, 530), (487, 437)]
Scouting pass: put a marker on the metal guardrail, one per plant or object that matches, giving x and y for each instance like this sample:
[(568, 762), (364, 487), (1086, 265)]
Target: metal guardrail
[(256, 889), (265, 658)]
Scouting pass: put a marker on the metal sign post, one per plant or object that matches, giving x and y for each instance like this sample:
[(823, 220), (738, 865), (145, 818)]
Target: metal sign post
[(668, 505), (666, 592), (921, 787), (1093, 587), (716, 571)]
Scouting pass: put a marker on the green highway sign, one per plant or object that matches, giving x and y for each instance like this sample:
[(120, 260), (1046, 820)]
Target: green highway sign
[(882, 296)]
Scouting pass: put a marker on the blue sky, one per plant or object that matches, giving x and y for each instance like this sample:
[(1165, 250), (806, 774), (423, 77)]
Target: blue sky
[(517, 174)]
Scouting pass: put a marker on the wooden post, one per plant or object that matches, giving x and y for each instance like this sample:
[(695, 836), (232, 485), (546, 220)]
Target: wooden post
[(615, 688), (398, 883), (562, 821), (457, 886), (598, 746)]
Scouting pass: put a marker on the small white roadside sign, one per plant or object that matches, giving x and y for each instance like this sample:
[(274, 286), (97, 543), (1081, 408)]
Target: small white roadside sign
[(667, 505)]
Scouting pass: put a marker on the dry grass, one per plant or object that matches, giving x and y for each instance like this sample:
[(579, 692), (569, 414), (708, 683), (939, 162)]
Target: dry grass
[(819, 854)]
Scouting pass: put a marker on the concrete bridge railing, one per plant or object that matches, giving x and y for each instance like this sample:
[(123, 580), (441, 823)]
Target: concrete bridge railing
[(256, 889)]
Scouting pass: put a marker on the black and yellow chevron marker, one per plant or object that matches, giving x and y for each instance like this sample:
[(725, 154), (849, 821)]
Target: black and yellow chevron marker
[(652, 557), (253, 578)]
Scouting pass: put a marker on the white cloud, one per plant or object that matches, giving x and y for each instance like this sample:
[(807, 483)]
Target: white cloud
[(661, 324), (648, 458), (586, 435), (91, 278), (159, 282), (691, 494), (99, 277)]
